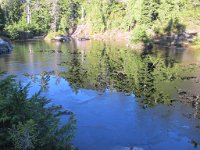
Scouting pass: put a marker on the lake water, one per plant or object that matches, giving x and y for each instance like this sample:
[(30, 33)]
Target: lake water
[(121, 99)]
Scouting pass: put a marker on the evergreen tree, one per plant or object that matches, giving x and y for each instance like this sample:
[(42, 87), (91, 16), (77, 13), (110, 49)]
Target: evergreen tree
[(30, 122), (96, 12), (2, 19), (149, 12), (13, 10), (159, 16), (68, 15)]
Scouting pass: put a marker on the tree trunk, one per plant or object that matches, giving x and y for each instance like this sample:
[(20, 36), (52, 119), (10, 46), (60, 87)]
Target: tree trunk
[(55, 14), (28, 12)]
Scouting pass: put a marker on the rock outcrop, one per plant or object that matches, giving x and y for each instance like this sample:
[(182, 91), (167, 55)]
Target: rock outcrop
[(61, 38), (83, 39), (5, 46)]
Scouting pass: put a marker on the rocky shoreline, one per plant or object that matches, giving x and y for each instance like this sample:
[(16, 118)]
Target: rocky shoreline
[(183, 39)]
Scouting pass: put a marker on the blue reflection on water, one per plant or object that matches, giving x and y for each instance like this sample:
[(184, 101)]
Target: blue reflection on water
[(113, 121)]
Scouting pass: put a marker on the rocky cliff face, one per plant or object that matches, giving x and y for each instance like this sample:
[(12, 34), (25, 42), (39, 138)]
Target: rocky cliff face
[(5, 46)]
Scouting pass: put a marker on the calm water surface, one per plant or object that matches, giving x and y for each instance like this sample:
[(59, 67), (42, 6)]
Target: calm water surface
[(121, 98)]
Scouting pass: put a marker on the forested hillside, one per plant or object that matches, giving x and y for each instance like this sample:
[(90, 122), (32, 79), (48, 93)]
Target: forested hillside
[(144, 19)]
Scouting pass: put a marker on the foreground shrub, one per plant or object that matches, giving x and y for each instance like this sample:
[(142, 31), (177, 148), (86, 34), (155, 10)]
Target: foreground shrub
[(31, 122)]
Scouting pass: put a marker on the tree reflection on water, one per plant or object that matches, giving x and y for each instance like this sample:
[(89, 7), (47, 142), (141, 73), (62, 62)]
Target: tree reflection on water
[(106, 68)]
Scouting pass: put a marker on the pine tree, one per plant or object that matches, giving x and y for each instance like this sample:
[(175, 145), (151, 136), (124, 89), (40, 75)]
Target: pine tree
[(149, 12), (2, 19), (68, 15), (13, 10), (30, 122)]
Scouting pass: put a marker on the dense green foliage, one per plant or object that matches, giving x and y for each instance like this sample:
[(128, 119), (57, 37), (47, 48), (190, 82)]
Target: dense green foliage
[(38, 17), (31, 122), (144, 18), (2, 21), (153, 17), (68, 15)]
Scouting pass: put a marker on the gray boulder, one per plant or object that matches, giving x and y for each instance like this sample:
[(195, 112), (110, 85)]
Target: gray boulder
[(83, 39), (5, 46), (61, 38)]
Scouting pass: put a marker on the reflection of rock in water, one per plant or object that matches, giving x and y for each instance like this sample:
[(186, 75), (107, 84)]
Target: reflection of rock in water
[(127, 148), (194, 143), (187, 97), (197, 109), (5, 46)]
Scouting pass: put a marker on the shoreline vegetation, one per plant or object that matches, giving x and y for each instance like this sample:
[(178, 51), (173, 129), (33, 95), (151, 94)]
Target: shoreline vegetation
[(140, 23)]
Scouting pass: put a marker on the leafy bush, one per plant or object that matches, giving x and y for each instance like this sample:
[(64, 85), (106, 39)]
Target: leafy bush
[(30, 122), (139, 34), (21, 28), (12, 31)]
